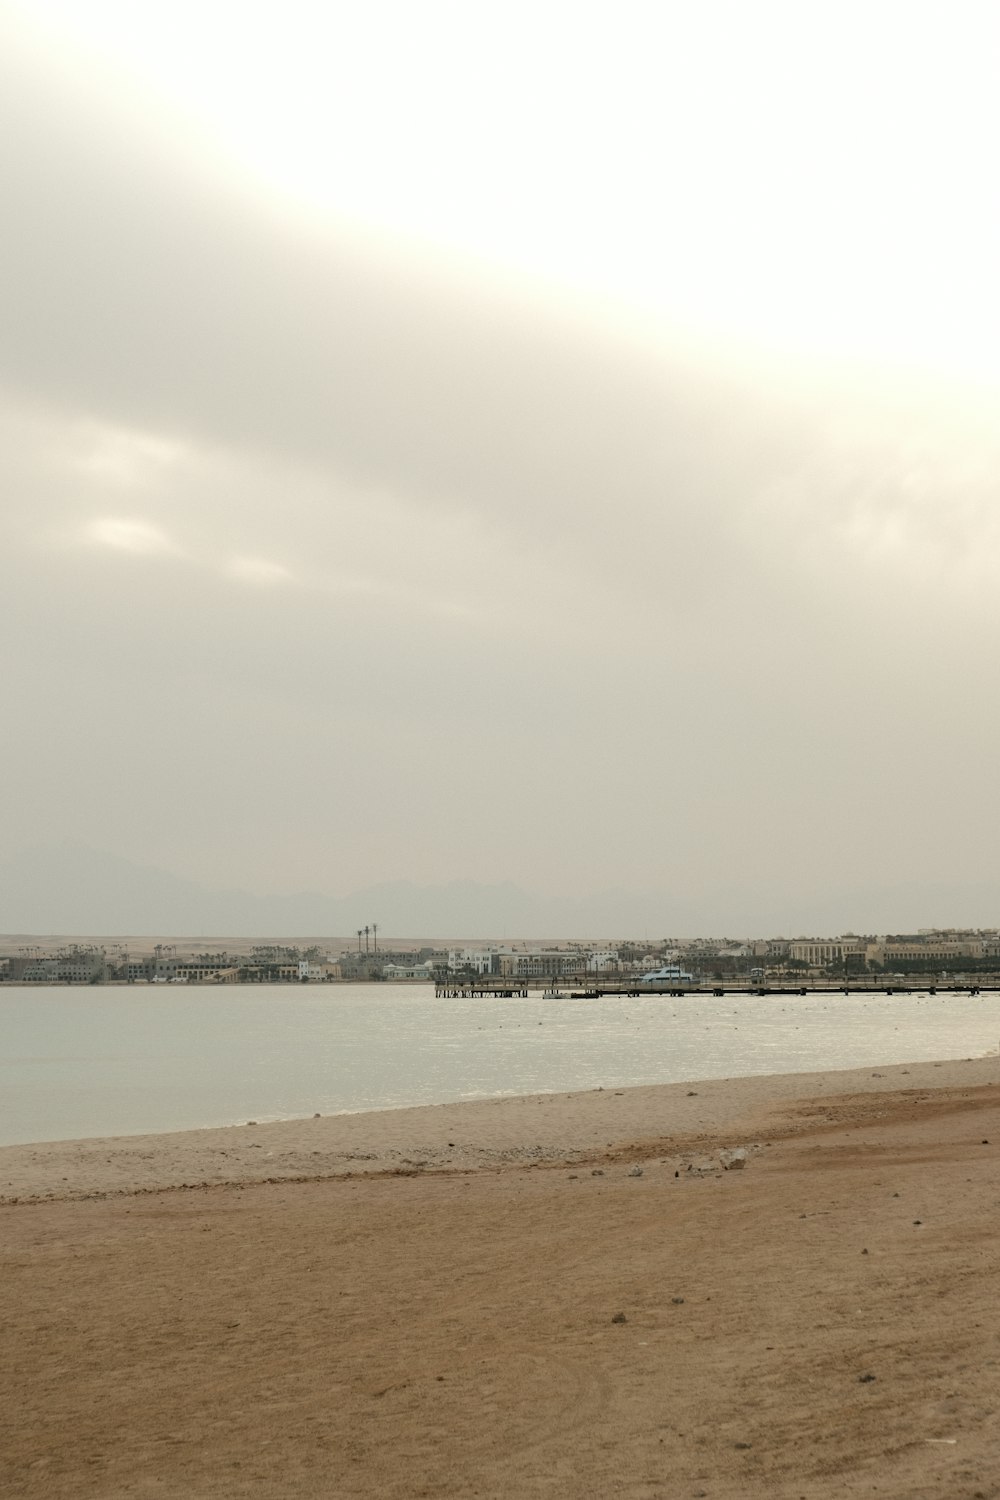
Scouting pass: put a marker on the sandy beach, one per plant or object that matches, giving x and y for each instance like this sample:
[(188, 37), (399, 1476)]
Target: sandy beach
[(562, 1295)]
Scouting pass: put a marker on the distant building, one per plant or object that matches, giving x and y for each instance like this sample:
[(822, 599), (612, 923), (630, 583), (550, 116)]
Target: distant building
[(935, 951), (73, 968), (546, 963), (772, 948), (415, 971), (309, 969), (816, 952), (474, 960)]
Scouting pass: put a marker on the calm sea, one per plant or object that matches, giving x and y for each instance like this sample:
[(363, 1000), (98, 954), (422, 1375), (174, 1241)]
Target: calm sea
[(91, 1061)]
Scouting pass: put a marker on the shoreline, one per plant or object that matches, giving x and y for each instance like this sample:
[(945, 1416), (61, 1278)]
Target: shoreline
[(493, 1134)]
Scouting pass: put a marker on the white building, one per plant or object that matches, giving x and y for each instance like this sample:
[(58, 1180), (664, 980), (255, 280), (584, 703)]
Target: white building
[(540, 963), (310, 970), (817, 951), (473, 960)]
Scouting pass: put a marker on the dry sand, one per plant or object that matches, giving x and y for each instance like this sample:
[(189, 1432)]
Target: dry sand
[(426, 1302)]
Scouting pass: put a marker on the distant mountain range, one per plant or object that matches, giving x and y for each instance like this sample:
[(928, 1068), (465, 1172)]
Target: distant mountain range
[(72, 889)]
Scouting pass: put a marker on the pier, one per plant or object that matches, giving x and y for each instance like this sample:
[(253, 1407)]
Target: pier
[(474, 989), (580, 987), (820, 987)]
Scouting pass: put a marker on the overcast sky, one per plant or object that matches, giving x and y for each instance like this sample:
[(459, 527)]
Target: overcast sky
[(541, 442)]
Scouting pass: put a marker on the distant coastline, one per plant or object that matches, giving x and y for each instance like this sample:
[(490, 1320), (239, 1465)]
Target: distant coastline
[(948, 958)]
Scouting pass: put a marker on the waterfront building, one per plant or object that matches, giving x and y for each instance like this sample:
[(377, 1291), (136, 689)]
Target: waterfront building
[(888, 953), (599, 963), (816, 952), (71, 968), (424, 971), (546, 963), (474, 960)]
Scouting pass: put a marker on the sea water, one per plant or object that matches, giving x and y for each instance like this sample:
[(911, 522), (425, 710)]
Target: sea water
[(77, 1062)]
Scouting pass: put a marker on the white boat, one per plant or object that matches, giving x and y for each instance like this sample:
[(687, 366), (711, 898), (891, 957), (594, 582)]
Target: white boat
[(554, 995), (669, 974)]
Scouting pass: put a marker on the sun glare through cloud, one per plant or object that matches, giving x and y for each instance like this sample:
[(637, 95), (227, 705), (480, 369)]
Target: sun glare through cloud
[(779, 174)]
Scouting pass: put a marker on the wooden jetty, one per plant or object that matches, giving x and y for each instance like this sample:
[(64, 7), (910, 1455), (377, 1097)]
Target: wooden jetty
[(582, 988), (454, 988), (867, 984)]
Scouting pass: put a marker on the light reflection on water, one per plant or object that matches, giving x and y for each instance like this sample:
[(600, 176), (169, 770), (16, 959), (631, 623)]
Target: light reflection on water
[(118, 1061)]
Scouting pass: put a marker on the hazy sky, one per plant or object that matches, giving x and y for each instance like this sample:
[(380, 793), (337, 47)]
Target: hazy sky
[(553, 443)]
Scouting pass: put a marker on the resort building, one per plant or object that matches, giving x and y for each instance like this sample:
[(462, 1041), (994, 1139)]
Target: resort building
[(473, 960), (415, 971), (547, 963), (958, 951)]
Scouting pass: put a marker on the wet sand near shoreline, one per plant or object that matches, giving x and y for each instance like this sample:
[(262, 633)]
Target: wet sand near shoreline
[(501, 1132), (574, 1298)]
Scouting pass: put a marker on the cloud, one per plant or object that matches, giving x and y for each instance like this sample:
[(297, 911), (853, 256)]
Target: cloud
[(565, 597), (128, 459), (126, 534), (257, 571)]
